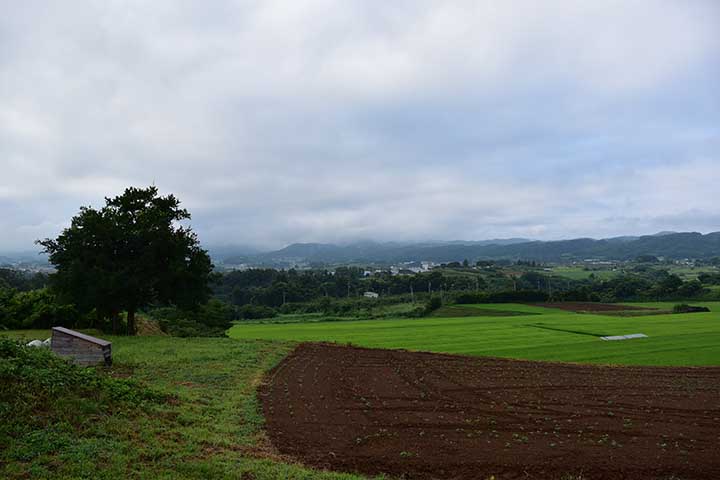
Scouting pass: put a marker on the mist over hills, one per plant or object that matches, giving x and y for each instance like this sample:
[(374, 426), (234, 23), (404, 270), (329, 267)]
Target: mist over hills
[(670, 245)]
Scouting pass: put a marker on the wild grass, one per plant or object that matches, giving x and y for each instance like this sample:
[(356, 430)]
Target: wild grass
[(205, 422)]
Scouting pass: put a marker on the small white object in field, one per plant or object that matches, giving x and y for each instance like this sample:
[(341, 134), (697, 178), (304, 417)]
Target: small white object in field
[(625, 337), (36, 343), (47, 341)]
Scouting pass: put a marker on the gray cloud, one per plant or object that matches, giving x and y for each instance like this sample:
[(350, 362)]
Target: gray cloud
[(277, 122)]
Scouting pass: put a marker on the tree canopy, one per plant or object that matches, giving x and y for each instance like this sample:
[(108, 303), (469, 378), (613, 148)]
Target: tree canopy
[(129, 254)]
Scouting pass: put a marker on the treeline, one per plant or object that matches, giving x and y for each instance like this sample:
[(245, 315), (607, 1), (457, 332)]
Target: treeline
[(656, 286), (43, 309), (282, 290), (274, 288), (27, 302), (21, 281)]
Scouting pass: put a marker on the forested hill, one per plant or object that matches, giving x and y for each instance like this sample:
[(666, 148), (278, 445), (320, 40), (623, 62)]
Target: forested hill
[(669, 245)]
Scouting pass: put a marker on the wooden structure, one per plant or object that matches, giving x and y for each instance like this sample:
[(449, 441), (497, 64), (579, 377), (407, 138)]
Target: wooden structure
[(80, 348)]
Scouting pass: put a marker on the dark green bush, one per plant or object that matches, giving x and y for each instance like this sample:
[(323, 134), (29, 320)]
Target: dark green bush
[(433, 304), (467, 298), (255, 312), (685, 308), (506, 296), (520, 296), (34, 309), (209, 320)]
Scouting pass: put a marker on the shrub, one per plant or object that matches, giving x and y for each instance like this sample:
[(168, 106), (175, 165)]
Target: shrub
[(34, 309), (505, 296), (254, 312), (520, 296), (685, 308), (209, 320), (470, 298), (414, 313), (433, 304)]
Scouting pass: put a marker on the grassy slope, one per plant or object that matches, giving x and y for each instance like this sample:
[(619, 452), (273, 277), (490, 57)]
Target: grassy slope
[(690, 339), (210, 429)]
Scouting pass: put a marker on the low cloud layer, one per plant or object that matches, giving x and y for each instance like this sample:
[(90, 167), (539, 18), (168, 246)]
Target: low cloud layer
[(278, 122)]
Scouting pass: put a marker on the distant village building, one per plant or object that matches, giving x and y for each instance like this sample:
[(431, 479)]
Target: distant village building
[(79, 348), (371, 295)]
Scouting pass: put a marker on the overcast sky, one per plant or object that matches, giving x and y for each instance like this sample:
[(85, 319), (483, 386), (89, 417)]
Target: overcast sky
[(293, 121)]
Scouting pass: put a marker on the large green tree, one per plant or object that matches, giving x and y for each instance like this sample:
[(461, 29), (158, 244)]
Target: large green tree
[(128, 254)]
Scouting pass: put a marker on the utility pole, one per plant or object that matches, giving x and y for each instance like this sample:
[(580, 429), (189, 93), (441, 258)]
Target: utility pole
[(412, 294), (429, 287)]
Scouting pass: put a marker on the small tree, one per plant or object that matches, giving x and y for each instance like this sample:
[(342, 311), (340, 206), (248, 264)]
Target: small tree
[(433, 303), (129, 254)]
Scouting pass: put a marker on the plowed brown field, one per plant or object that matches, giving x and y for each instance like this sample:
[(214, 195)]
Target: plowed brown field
[(421, 415), (581, 307)]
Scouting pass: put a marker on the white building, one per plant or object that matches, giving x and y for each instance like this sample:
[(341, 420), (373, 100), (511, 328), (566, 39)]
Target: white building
[(370, 295)]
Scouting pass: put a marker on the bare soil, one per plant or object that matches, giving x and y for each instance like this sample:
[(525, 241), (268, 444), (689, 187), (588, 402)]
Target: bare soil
[(420, 415), (582, 307)]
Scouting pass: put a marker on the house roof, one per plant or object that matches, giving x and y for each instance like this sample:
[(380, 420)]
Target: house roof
[(82, 336)]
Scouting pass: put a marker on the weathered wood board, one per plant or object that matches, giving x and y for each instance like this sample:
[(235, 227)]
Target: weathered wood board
[(80, 348)]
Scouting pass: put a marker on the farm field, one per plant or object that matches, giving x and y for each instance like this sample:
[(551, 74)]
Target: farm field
[(690, 273), (541, 334), (580, 273), (428, 416), (211, 424)]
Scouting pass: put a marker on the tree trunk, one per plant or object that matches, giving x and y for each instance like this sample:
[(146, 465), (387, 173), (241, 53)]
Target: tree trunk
[(115, 323), (131, 321)]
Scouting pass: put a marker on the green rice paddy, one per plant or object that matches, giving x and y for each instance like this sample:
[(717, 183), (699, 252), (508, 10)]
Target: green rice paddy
[(540, 334)]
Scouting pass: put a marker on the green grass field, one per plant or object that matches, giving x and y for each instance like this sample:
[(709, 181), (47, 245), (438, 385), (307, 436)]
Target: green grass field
[(579, 273), (687, 339)]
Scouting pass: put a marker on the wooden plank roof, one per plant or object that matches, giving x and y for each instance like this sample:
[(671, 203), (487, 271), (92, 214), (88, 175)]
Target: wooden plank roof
[(82, 336)]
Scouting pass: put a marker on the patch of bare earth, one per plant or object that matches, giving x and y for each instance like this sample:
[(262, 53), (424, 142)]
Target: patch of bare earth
[(584, 307), (421, 415)]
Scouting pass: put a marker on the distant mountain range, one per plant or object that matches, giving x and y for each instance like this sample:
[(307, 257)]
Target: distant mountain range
[(672, 245)]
